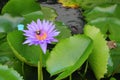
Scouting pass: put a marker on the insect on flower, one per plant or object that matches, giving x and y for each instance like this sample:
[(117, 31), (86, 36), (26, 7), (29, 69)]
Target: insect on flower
[(40, 33)]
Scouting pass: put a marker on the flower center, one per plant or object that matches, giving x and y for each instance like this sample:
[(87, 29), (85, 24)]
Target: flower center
[(41, 35)]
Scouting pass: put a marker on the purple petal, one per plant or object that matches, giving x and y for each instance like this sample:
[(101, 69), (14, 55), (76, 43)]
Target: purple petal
[(31, 27), (50, 29), (27, 41), (39, 24), (53, 34), (34, 24), (44, 47)]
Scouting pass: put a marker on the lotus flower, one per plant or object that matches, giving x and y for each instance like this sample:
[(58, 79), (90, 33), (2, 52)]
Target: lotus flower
[(40, 33)]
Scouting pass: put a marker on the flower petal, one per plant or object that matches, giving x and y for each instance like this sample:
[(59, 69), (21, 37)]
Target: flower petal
[(44, 47)]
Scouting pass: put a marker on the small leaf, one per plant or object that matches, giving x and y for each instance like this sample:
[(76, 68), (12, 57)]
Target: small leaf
[(99, 57), (68, 55), (64, 31), (20, 7), (9, 74), (27, 54), (49, 13)]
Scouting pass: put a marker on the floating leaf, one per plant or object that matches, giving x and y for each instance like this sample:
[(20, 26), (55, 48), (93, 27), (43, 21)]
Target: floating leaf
[(9, 23), (20, 7), (89, 4), (64, 31), (105, 11), (68, 55), (107, 19), (111, 25), (49, 13), (99, 57), (9, 74), (27, 54)]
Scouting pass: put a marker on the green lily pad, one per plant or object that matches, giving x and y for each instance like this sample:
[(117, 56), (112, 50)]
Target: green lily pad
[(27, 54), (110, 25), (106, 10), (63, 29), (98, 59), (107, 19), (20, 7), (9, 23), (49, 13), (9, 74), (69, 55)]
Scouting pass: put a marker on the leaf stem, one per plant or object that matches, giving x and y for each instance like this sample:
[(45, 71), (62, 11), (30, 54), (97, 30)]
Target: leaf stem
[(40, 73), (70, 77), (86, 67)]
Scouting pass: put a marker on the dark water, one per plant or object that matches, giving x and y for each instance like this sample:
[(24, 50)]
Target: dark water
[(2, 3), (71, 17)]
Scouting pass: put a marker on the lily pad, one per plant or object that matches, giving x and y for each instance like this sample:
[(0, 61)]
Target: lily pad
[(63, 29), (9, 74), (98, 59), (20, 7), (49, 13), (27, 54), (69, 55), (106, 10), (110, 25), (107, 19)]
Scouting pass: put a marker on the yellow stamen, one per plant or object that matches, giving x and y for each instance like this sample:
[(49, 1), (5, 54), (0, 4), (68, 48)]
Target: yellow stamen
[(42, 36)]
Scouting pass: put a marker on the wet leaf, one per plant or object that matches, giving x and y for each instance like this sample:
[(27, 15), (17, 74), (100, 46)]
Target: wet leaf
[(25, 53), (49, 13), (63, 29), (98, 59), (107, 19), (69, 55)]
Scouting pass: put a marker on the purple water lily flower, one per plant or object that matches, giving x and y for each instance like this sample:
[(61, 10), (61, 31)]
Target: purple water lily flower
[(40, 33)]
